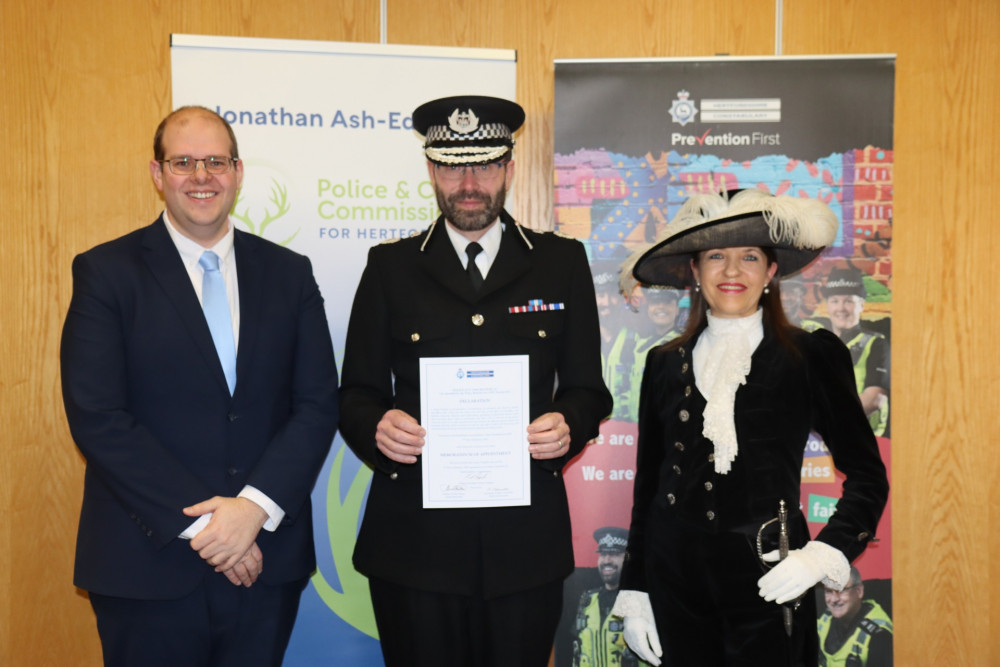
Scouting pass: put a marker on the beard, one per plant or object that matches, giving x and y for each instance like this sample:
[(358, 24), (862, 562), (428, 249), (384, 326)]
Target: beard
[(471, 221)]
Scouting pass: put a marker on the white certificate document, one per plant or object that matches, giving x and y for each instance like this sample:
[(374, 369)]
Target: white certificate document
[(475, 410)]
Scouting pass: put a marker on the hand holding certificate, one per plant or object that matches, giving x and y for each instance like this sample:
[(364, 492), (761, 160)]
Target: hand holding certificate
[(475, 410)]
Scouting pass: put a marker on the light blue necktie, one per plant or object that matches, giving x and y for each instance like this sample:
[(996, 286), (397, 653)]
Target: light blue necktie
[(216, 307)]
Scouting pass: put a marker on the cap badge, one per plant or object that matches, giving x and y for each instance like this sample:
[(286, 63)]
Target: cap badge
[(463, 122)]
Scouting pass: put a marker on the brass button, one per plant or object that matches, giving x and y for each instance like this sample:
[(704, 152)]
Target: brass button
[(687, 390), (711, 457), (393, 475), (684, 367), (478, 320), (679, 446), (414, 337), (555, 473), (684, 415), (710, 515), (671, 498), (681, 350), (677, 469), (708, 486), (863, 536), (541, 333)]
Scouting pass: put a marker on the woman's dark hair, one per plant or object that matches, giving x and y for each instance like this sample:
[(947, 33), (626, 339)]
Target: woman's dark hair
[(774, 320)]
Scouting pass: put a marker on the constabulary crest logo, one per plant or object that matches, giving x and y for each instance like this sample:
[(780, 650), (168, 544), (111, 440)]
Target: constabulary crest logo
[(683, 110), (463, 122)]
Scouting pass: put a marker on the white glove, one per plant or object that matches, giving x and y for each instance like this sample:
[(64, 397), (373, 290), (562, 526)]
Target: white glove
[(801, 570), (640, 627)]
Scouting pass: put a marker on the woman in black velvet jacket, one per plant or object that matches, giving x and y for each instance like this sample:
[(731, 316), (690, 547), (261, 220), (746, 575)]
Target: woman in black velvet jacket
[(724, 416)]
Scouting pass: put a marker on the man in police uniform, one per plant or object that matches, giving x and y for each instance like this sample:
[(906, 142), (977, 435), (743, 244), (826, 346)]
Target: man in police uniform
[(599, 641), (854, 632), (469, 586), (845, 299)]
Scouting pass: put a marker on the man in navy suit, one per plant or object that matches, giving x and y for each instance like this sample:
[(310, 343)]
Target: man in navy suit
[(196, 438)]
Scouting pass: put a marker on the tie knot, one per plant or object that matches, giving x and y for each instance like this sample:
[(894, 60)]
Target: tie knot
[(472, 250), (209, 261)]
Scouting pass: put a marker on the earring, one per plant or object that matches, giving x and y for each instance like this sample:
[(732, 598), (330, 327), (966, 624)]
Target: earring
[(697, 287), (767, 290)]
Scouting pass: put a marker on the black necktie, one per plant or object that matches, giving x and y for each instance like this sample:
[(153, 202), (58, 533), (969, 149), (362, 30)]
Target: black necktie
[(475, 277)]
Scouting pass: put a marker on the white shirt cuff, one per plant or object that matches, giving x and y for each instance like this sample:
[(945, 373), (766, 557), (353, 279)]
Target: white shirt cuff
[(274, 513), (196, 527)]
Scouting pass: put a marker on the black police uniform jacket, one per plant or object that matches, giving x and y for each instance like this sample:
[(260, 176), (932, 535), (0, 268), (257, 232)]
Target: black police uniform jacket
[(785, 396), (415, 300)]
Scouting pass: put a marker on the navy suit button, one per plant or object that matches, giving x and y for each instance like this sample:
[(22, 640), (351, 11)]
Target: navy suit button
[(149, 533), (232, 417), (232, 472)]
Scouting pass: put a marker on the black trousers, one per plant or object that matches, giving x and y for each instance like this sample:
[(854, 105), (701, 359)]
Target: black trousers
[(425, 629), (703, 590), (217, 625)]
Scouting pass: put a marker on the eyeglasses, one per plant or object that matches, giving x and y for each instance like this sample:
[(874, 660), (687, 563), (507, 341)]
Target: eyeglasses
[(185, 166), (482, 173), (831, 591)]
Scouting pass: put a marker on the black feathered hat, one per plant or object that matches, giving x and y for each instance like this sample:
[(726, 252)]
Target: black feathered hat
[(796, 229)]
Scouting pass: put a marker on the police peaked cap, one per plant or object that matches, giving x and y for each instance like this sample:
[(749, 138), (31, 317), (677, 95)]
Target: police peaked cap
[(844, 281), (611, 539), (467, 129)]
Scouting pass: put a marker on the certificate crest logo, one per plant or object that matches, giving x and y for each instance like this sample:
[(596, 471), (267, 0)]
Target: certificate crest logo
[(683, 110), (460, 374), (463, 122)]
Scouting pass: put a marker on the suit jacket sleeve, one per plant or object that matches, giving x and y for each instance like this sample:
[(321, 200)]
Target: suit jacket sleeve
[(649, 458), (287, 469), (366, 393), (840, 420), (142, 474), (581, 396)]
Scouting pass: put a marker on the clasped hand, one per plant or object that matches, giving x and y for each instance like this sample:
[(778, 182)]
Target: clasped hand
[(228, 541)]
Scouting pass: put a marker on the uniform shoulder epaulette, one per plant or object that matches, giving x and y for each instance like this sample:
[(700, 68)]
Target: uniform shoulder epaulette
[(554, 232), (870, 626), (391, 240)]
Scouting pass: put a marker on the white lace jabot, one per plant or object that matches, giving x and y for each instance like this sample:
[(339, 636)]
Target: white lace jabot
[(721, 364)]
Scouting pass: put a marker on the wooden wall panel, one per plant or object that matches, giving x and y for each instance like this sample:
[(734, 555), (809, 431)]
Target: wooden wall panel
[(84, 85), (945, 385), (545, 30)]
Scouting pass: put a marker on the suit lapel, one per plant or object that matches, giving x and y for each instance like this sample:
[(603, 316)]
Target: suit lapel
[(441, 262), (251, 280), (511, 261), (164, 262)]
